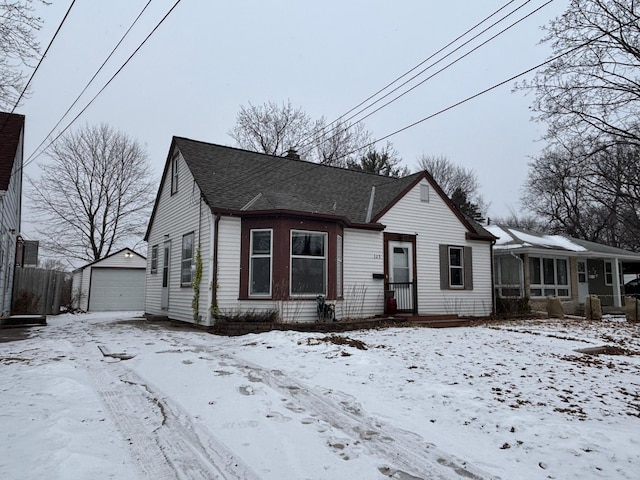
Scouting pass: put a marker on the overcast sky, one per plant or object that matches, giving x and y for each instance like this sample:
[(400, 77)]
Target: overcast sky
[(208, 58)]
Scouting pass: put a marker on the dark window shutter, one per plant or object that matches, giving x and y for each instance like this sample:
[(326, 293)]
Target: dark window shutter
[(444, 267), (468, 269)]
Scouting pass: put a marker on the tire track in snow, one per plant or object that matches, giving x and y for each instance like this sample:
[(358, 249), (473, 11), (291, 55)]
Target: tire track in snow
[(404, 450), (161, 433), (163, 439)]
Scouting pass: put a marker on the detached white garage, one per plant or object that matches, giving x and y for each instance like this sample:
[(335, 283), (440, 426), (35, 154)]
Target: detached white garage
[(112, 283)]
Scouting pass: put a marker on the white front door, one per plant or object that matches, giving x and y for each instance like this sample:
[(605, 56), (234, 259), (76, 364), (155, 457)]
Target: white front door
[(164, 301), (401, 274), (583, 280)]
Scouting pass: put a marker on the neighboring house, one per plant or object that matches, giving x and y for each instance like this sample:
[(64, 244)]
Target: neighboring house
[(271, 233), (532, 265), (115, 282), (11, 157)]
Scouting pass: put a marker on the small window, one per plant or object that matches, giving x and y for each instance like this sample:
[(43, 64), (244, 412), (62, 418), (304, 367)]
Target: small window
[(424, 193), (308, 263), (260, 262), (608, 273), (186, 273), (174, 174), (154, 259), (456, 267)]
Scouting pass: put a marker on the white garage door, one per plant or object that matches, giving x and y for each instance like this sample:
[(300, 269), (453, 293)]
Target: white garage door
[(116, 289)]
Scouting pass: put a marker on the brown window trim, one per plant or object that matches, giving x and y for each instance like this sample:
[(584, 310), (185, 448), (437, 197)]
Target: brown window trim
[(281, 225)]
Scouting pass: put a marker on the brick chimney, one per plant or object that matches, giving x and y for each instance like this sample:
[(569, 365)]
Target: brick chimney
[(293, 154)]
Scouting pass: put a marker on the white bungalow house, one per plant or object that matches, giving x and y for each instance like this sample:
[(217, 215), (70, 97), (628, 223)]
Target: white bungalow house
[(11, 151), (115, 282), (239, 231), (531, 265)]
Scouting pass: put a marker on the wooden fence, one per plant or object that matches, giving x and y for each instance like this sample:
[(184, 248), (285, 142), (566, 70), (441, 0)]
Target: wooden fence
[(40, 292)]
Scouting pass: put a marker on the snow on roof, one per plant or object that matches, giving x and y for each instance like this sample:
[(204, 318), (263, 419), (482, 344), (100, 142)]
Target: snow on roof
[(510, 238)]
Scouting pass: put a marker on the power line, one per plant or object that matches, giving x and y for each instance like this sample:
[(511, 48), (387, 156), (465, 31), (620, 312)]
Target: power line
[(256, 173), (26, 86), (33, 156), (92, 78), (465, 100), (442, 49), (344, 123), (443, 68)]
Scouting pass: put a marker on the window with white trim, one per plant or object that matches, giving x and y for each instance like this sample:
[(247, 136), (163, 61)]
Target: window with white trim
[(308, 263), (507, 273), (456, 267), (186, 272), (261, 252), (456, 271), (548, 276), (154, 259)]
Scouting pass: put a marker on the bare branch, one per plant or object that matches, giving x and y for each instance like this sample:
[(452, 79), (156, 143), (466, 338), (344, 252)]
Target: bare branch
[(94, 196)]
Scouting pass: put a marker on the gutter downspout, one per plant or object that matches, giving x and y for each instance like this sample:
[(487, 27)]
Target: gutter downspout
[(212, 300)]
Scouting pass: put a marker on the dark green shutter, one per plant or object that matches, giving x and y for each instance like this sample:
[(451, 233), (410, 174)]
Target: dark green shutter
[(444, 267), (468, 269)]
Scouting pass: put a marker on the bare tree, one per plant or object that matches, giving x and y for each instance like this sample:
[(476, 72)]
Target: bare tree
[(384, 162), (340, 143), (593, 196), (591, 91), (18, 47), (94, 196), (526, 222), (274, 129), (460, 184), (53, 264)]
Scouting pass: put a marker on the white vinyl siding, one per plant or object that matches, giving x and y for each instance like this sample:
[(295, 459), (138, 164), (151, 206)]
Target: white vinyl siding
[(434, 224), (175, 215), (363, 295), (10, 213), (229, 239)]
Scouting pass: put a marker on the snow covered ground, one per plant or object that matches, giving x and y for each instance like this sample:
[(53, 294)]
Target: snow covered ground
[(510, 400)]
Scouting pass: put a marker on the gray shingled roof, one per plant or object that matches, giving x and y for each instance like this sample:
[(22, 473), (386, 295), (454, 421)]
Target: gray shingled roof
[(233, 179)]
